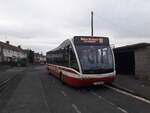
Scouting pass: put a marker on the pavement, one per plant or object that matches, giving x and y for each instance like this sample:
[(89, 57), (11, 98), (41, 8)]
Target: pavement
[(10, 73), (132, 85), (38, 92)]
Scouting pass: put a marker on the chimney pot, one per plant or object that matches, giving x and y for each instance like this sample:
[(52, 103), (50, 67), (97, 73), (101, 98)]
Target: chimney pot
[(19, 46), (7, 42)]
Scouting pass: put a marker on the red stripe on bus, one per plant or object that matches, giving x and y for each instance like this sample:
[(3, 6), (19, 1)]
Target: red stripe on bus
[(64, 69), (85, 82)]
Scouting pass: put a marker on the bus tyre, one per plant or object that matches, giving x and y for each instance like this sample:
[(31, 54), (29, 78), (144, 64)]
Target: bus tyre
[(110, 83), (62, 79), (49, 73)]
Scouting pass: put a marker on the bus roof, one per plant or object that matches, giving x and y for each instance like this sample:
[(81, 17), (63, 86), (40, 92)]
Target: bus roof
[(91, 36), (106, 41)]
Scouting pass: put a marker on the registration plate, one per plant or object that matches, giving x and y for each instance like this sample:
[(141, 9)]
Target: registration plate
[(98, 83)]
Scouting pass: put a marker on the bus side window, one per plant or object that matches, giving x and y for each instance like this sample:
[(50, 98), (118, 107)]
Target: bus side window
[(65, 57), (72, 60)]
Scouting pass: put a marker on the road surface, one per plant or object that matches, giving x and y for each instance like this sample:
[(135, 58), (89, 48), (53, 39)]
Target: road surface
[(35, 91)]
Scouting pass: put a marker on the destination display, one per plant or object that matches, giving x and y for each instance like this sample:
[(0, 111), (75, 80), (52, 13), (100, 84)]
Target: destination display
[(91, 40)]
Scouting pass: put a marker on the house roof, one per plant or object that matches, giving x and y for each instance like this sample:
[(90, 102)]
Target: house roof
[(132, 47), (11, 47)]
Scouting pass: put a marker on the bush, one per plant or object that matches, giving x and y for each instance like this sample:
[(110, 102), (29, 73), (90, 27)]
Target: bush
[(23, 62)]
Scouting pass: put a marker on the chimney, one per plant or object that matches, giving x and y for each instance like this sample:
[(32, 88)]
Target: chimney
[(7, 42), (19, 46)]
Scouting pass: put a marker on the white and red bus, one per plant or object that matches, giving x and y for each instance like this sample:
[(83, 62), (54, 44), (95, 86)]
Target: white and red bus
[(83, 60)]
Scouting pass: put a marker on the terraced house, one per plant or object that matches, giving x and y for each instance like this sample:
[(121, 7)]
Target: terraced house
[(39, 58), (10, 53)]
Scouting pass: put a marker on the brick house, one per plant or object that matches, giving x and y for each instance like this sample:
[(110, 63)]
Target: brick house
[(10, 53), (36, 58), (42, 59), (39, 58)]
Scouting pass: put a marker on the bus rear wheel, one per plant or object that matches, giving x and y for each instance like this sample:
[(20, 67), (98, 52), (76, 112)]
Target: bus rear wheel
[(62, 78)]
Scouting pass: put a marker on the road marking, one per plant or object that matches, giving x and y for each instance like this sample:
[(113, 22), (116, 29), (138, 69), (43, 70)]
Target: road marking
[(63, 93), (109, 102), (94, 93), (100, 97), (76, 108), (129, 94), (124, 111), (45, 101), (127, 89), (45, 98)]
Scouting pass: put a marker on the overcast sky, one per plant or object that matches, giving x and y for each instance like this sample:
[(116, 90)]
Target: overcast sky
[(43, 24)]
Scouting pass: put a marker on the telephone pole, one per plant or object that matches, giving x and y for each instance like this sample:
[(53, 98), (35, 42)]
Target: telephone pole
[(91, 23)]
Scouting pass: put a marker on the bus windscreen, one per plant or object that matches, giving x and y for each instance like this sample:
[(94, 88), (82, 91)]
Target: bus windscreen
[(95, 54), (95, 59)]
